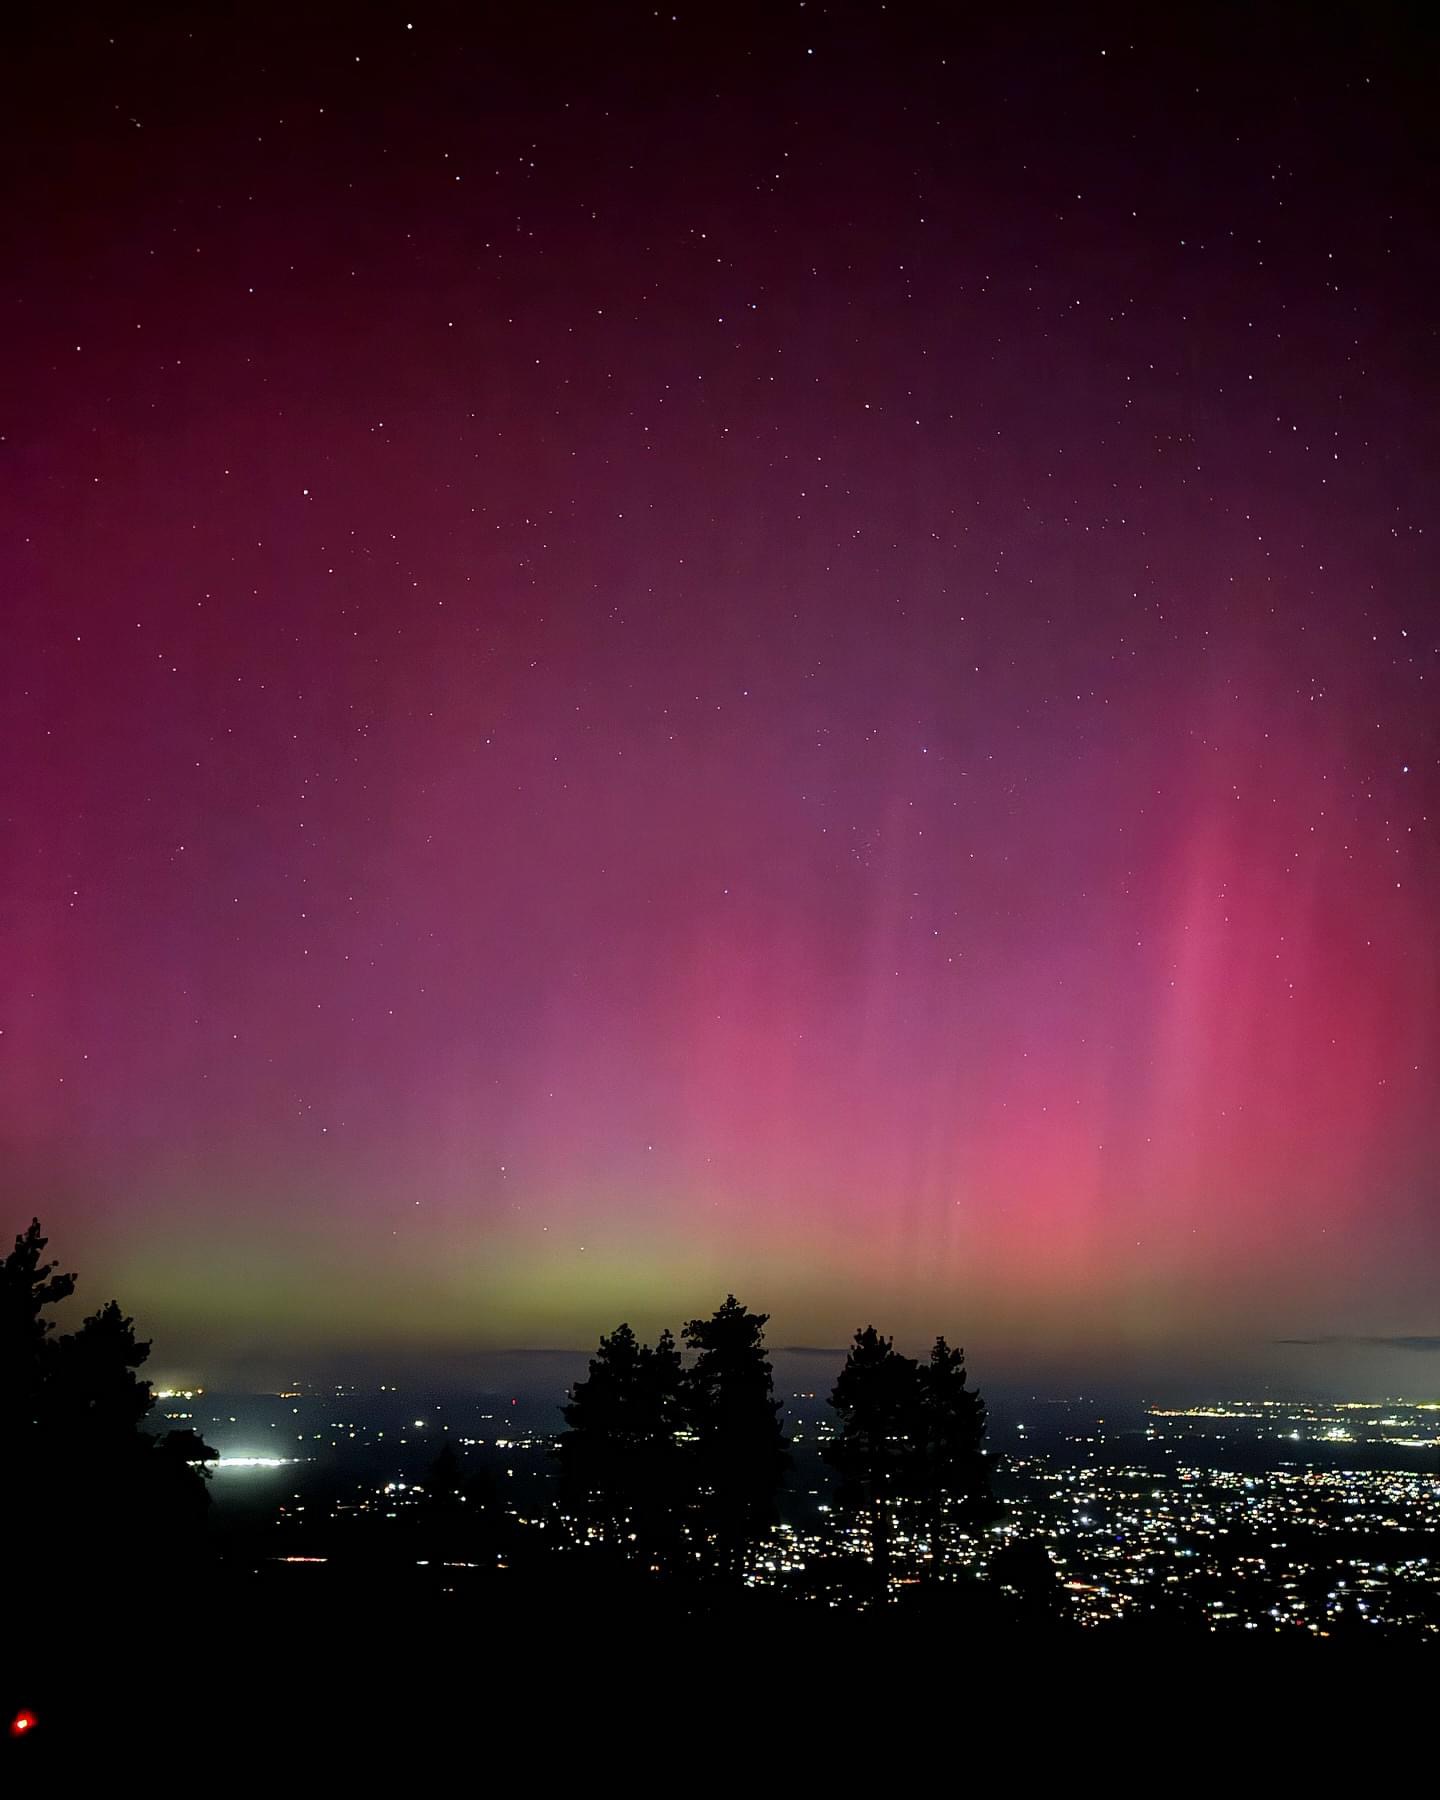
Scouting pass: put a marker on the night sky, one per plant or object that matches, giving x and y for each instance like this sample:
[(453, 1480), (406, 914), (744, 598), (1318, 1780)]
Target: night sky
[(788, 649)]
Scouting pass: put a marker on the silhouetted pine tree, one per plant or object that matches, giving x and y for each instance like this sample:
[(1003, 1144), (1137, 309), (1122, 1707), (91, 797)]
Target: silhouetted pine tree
[(459, 1519), (443, 1482), (1025, 1572), (739, 1447), (951, 1477), (27, 1287), (620, 1454), (877, 1396), (86, 1486)]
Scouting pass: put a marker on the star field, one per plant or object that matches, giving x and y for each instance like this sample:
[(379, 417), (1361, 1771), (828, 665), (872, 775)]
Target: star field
[(783, 649)]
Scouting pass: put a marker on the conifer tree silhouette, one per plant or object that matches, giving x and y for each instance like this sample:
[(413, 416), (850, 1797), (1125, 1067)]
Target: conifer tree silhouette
[(89, 1485), (1024, 1570), (740, 1451), (27, 1287), (951, 1476), (620, 1454), (443, 1481), (877, 1397), (458, 1520), (911, 1434)]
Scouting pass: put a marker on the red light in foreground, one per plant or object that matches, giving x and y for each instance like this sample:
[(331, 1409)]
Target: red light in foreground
[(21, 1723)]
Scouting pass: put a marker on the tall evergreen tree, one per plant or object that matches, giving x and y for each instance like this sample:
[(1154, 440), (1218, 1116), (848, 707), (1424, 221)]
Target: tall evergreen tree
[(444, 1482), (951, 1475), (911, 1435), (877, 1397), (27, 1287), (88, 1483), (620, 1453), (458, 1520), (1024, 1571), (740, 1451)]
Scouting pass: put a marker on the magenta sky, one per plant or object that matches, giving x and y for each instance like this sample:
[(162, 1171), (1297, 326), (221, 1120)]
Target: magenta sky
[(794, 653)]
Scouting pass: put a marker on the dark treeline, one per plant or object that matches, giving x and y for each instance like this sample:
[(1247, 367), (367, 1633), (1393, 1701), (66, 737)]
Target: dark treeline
[(669, 1479), (85, 1480), (108, 1574), (681, 1466)]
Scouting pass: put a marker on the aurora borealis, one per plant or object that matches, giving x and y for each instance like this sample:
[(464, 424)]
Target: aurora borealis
[(783, 649)]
